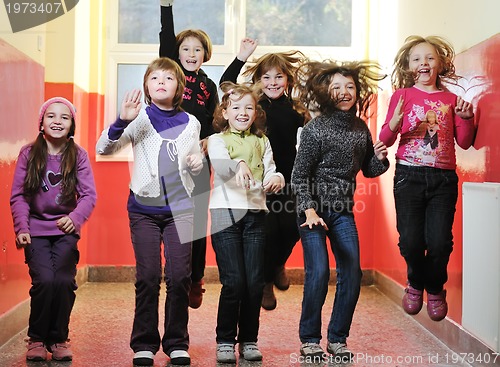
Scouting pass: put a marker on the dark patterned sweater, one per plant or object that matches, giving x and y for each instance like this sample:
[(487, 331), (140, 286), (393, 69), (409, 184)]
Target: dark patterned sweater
[(333, 148)]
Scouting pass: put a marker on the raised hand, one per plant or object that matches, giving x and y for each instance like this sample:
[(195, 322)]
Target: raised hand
[(397, 117), (131, 105), (247, 47)]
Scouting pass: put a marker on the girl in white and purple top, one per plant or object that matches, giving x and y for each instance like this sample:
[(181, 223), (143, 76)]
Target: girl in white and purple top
[(165, 142), (53, 194)]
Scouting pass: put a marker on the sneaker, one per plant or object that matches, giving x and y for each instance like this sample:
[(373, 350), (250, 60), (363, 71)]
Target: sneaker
[(250, 351), (61, 351), (437, 307), (225, 353), (340, 352), (281, 280), (180, 357), (36, 351), (268, 298), (144, 358), (196, 294), (412, 300), (311, 350)]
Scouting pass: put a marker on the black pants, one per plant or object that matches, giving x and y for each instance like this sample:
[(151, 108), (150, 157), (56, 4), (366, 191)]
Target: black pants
[(281, 233)]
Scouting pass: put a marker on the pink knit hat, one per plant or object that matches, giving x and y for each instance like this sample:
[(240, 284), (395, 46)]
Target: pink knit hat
[(48, 102)]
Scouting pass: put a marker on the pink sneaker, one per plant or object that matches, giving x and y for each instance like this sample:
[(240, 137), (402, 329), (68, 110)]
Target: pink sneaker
[(412, 300), (61, 352), (36, 351), (437, 307)]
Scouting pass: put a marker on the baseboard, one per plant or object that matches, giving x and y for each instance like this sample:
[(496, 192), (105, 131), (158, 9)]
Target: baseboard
[(127, 274), (453, 335)]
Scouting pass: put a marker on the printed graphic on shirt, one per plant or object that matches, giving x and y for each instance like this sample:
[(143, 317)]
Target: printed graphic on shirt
[(429, 125), (201, 97), (51, 180)]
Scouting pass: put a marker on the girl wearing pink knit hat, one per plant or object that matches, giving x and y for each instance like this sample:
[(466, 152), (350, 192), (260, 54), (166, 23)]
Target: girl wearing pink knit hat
[(53, 194)]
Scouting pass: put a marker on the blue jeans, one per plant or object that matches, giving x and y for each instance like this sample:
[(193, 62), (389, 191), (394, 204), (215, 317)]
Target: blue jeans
[(425, 200), (148, 232), (239, 250), (344, 242)]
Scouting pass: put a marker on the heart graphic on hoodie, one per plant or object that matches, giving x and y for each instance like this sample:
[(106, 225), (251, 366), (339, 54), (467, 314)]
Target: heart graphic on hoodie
[(54, 178), (25, 15)]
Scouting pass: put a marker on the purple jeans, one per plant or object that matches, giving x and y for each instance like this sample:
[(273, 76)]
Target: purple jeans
[(148, 231), (52, 266)]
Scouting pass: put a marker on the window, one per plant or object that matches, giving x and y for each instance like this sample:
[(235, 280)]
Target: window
[(321, 29)]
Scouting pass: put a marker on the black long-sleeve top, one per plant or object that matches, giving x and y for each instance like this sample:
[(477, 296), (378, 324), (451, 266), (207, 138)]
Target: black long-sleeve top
[(200, 94)]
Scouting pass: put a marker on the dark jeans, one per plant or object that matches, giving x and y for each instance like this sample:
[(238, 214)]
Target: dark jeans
[(239, 250), (148, 232), (52, 264), (425, 200), (281, 233), (344, 242)]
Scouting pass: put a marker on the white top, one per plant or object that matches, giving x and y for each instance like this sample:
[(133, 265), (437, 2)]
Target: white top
[(225, 193), (146, 144)]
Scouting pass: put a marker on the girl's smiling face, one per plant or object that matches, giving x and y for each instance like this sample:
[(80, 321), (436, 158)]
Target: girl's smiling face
[(57, 121), (424, 63), (162, 85), (241, 112), (274, 82), (191, 54), (343, 91)]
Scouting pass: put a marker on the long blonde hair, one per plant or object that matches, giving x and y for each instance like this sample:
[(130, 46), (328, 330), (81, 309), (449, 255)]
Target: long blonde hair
[(403, 77)]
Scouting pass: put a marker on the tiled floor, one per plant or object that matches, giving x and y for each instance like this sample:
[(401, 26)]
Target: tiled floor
[(381, 335)]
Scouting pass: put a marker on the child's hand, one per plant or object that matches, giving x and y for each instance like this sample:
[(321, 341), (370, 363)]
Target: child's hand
[(66, 225), (23, 240), (313, 219), (464, 109), (273, 185), (247, 47), (244, 177), (204, 146), (131, 105), (380, 150), (194, 162), (397, 117)]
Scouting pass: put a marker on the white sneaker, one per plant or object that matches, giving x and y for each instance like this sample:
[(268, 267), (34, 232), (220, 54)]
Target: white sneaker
[(250, 351), (340, 352), (225, 353), (311, 350), (143, 358), (180, 357)]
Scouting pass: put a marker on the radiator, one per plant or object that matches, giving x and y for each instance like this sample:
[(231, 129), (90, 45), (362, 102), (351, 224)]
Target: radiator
[(481, 262)]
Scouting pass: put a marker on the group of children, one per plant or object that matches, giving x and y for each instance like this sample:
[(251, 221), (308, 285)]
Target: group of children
[(266, 193)]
